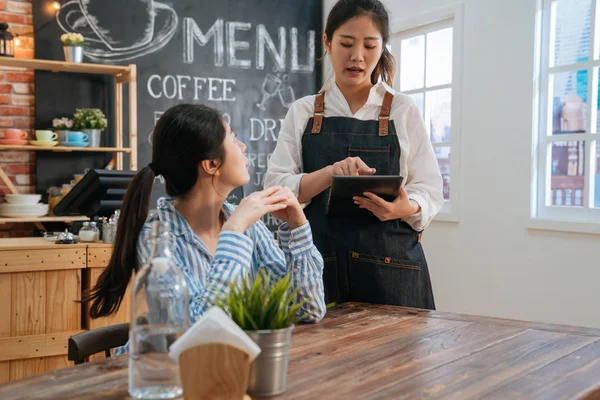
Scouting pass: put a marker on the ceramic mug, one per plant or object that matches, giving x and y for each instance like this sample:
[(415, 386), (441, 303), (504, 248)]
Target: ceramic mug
[(78, 137), (46, 136), (15, 134)]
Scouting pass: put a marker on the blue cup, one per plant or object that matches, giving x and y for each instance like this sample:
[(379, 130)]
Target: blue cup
[(78, 137)]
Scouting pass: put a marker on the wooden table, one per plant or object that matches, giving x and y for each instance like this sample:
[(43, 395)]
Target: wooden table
[(380, 352)]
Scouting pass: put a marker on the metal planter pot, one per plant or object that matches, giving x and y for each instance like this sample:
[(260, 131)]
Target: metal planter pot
[(94, 136), (73, 54), (63, 136), (268, 373)]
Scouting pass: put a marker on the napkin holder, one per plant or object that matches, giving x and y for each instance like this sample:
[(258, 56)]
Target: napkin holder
[(214, 371)]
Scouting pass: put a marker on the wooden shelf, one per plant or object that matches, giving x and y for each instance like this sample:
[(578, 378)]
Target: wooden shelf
[(66, 149), (123, 75), (63, 66), (73, 218)]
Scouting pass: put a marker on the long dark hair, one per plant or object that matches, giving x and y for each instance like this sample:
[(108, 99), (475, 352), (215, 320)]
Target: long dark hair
[(184, 136), (345, 10)]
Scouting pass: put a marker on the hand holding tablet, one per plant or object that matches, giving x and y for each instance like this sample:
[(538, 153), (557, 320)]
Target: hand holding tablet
[(345, 187)]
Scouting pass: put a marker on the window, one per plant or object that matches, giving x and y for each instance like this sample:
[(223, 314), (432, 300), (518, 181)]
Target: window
[(567, 177), (578, 195), (428, 51)]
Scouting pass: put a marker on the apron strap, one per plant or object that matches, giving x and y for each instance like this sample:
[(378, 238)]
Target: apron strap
[(319, 113), (384, 115)]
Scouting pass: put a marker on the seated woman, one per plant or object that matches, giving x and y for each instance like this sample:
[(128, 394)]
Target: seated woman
[(214, 243)]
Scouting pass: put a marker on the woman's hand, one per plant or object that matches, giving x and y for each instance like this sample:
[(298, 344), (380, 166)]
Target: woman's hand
[(253, 207), (293, 213), (352, 166), (401, 207)]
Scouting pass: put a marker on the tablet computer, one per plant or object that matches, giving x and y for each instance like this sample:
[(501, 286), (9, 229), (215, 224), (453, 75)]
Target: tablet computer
[(344, 187)]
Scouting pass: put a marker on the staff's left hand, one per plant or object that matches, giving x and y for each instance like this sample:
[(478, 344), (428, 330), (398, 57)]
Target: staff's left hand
[(401, 207)]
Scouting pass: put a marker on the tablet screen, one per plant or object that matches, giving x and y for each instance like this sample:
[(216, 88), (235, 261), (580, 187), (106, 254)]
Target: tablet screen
[(344, 187)]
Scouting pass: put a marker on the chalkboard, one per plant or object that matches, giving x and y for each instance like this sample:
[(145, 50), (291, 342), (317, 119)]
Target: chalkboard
[(249, 59)]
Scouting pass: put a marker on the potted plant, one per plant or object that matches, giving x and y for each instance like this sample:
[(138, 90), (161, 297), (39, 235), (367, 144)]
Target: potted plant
[(73, 46), (265, 310), (91, 121), (62, 127)]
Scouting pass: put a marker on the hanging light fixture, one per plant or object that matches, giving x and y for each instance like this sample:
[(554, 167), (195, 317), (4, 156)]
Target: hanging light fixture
[(56, 5), (7, 48)]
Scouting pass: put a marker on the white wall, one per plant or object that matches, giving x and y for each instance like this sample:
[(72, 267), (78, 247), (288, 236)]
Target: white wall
[(490, 263)]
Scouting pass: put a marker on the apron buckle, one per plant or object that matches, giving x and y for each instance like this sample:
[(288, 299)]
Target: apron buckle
[(383, 125)]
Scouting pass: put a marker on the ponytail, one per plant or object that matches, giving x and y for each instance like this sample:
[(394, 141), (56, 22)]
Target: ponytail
[(184, 136), (385, 68), (107, 294)]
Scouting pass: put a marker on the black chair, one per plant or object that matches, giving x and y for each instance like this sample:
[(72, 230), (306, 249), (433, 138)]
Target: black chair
[(104, 339)]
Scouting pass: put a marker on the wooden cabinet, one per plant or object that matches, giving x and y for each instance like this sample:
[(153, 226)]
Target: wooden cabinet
[(41, 286)]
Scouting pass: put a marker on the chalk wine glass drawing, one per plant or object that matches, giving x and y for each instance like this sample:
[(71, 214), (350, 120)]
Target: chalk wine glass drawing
[(274, 85), (112, 39), (286, 93)]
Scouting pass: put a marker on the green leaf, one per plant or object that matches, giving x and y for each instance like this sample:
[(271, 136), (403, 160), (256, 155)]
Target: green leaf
[(264, 303)]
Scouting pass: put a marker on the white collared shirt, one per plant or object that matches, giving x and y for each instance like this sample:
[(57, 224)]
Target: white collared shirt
[(418, 164)]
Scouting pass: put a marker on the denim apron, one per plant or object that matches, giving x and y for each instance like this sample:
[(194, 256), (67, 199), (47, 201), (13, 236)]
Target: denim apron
[(366, 260)]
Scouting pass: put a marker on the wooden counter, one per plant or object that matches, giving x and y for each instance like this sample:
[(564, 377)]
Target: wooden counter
[(41, 285), (362, 351), (98, 256)]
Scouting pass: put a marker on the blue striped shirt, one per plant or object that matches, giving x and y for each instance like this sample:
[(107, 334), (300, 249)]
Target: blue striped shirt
[(237, 256)]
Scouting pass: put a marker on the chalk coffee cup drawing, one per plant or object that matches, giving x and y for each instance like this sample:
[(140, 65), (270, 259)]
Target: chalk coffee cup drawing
[(111, 30), (107, 28)]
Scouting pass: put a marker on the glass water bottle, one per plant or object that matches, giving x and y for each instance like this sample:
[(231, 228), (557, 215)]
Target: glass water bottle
[(159, 315)]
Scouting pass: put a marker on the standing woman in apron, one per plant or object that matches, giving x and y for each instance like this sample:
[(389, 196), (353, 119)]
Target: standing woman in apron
[(356, 125)]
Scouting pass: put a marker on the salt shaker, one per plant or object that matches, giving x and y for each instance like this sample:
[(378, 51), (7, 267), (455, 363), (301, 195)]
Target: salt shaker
[(110, 229), (89, 232), (104, 231)]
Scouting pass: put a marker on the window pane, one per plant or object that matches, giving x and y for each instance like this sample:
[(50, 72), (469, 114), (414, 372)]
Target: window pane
[(596, 112), (596, 169), (569, 102), (571, 27), (438, 114), (578, 197), (439, 58), (559, 197), (419, 98), (568, 197), (567, 173), (443, 156), (412, 63)]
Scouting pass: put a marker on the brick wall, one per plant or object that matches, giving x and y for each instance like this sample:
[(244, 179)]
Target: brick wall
[(17, 108)]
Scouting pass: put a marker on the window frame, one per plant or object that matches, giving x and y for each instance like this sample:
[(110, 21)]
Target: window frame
[(442, 18), (584, 219)]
